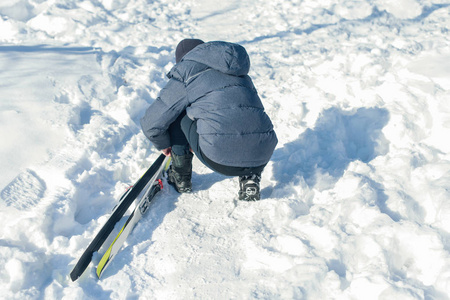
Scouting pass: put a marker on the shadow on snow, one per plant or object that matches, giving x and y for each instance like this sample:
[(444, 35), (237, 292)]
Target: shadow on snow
[(339, 137)]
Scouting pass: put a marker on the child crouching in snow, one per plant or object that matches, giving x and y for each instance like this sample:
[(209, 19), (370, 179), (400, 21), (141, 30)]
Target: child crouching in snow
[(210, 106)]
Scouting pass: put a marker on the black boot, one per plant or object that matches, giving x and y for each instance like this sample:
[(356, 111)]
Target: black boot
[(249, 187), (180, 172)]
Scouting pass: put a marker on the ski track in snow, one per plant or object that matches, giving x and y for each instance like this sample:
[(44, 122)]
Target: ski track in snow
[(356, 197)]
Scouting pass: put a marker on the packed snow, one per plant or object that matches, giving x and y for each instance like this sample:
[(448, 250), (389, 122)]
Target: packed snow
[(357, 194)]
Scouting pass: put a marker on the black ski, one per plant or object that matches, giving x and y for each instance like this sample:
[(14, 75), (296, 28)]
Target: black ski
[(115, 217), (142, 206)]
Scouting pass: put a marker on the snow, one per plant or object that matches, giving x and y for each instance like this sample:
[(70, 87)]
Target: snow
[(356, 196)]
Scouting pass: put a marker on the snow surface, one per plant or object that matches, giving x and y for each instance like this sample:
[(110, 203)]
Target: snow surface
[(356, 197)]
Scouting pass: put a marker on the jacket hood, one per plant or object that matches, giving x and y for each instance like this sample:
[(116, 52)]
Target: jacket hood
[(225, 57)]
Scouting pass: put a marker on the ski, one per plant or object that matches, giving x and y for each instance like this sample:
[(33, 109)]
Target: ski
[(140, 209), (116, 215)]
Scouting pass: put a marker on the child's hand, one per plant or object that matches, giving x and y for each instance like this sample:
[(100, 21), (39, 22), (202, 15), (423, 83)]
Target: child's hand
[(167, 151)]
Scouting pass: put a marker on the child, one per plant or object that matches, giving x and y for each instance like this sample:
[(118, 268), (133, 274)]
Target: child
[(211, 107)]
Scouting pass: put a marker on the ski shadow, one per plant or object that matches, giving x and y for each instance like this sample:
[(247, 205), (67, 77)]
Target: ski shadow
[(338, 138)]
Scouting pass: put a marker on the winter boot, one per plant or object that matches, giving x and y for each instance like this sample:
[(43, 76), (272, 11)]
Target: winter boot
[(180, 172), (249, 187)]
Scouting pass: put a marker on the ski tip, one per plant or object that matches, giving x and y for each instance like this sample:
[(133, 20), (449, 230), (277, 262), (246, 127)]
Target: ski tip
[(106, 258), (103, 263), (77, 271), (75, 274), (99, 272), (74, 277)]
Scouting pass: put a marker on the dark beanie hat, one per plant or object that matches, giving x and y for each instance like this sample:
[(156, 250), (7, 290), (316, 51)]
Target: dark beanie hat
[(184, 47)]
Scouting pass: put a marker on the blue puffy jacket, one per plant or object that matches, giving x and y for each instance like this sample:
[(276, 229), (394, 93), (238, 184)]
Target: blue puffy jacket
[(212, 85)]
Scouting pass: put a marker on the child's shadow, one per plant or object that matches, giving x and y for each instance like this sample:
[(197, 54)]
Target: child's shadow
[(338, 138)]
